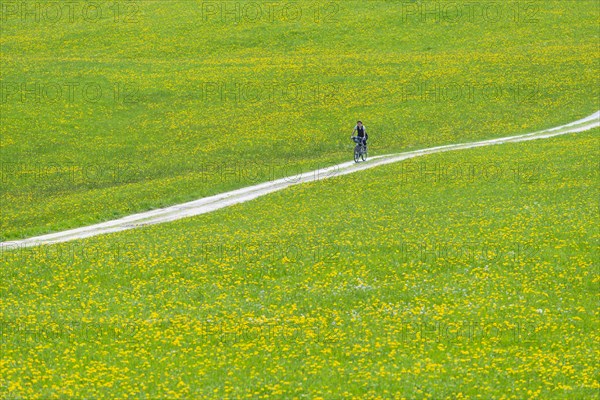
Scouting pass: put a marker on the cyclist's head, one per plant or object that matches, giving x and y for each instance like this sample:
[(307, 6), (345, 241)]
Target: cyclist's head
[(359, 123)]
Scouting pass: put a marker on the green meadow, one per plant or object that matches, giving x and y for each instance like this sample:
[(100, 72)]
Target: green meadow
[(469, 274), (424, 282), (110, 108)]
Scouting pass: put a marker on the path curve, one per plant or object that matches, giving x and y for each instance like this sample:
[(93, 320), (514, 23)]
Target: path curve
[(212, 203)]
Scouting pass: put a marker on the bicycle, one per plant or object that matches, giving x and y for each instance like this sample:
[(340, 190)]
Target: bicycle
[(360, 150)]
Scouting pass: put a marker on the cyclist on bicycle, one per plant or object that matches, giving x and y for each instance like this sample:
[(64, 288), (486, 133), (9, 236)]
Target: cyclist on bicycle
[(361, 132)]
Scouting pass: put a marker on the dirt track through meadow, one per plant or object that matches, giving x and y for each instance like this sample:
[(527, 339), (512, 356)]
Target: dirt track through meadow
[(212, 203)]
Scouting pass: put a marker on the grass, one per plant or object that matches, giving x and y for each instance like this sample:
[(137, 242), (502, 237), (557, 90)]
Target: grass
[(161, 108), (466, 274)]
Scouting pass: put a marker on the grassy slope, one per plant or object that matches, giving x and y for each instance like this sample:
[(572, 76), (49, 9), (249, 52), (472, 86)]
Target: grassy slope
[(72, 163), (466, 272)]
